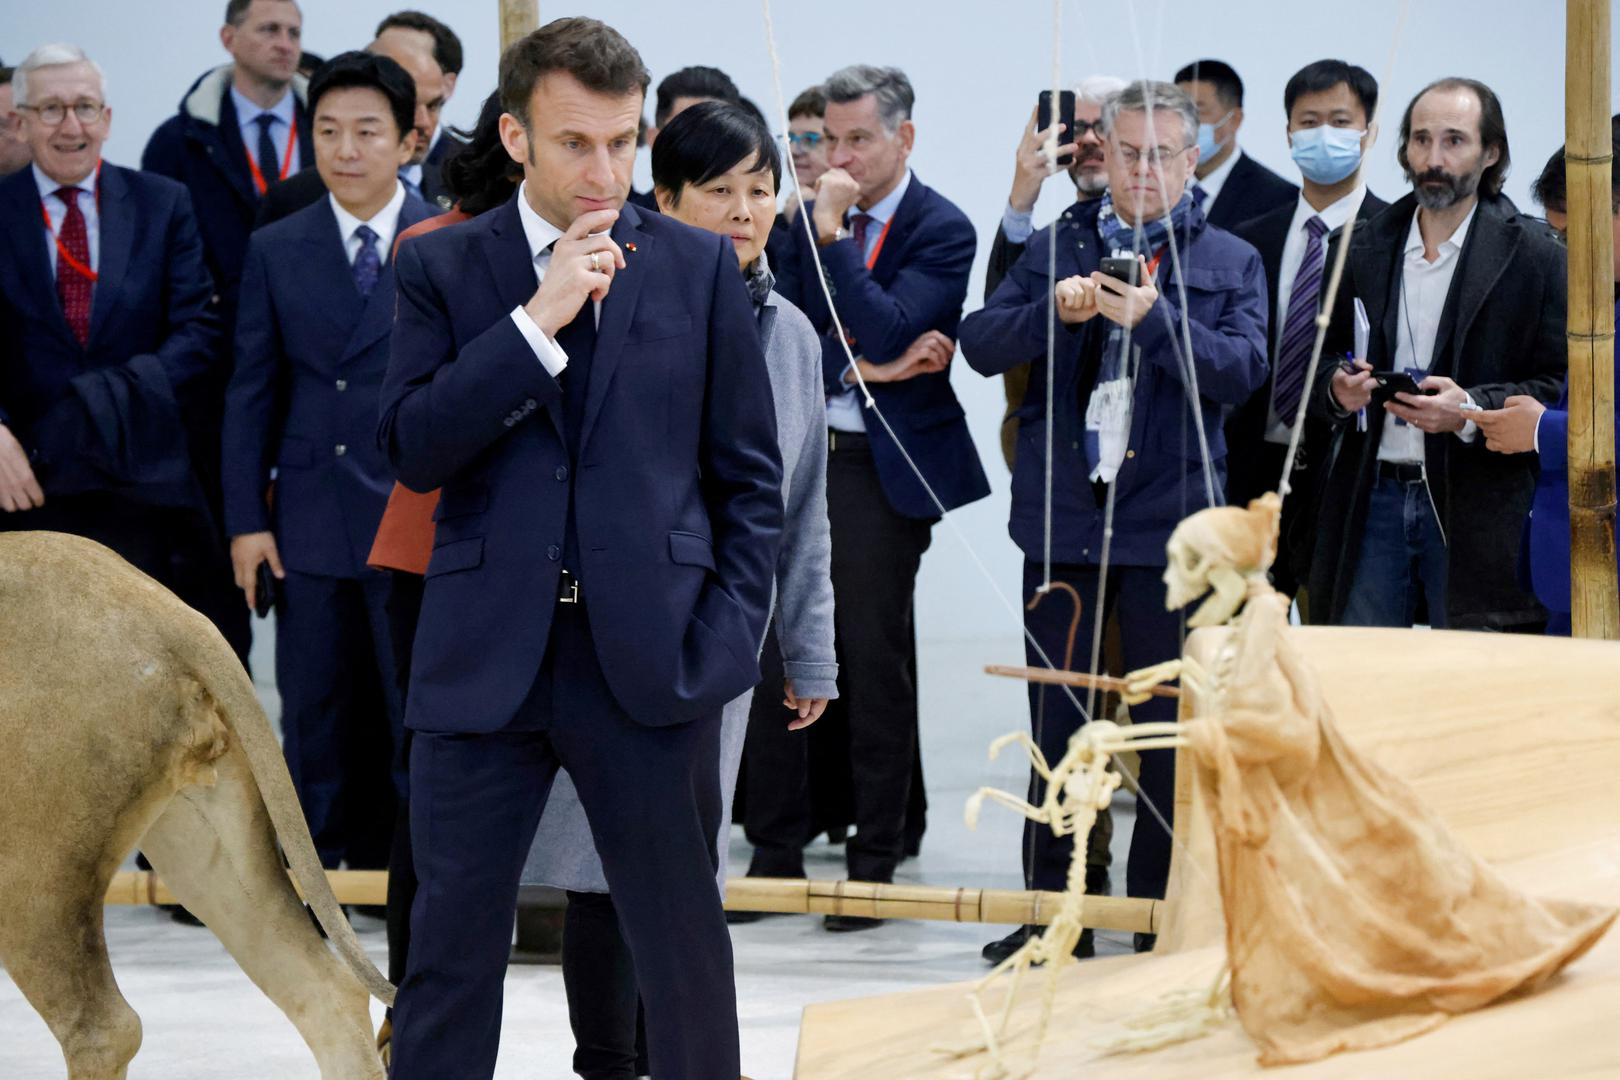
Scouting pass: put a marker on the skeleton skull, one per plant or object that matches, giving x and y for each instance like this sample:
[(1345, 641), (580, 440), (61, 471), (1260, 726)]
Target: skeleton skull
[(1219, 549)]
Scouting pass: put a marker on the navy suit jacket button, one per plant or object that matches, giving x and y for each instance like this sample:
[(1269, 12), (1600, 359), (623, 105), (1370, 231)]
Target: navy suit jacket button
[(340, 449), (342, 385), (508, 421), (531, 404), (562, 473), (553, 552)]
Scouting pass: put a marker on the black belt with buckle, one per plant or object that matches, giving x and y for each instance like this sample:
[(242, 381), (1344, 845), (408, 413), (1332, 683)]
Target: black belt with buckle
[(567, 589), (1405, 472), (847, 440)]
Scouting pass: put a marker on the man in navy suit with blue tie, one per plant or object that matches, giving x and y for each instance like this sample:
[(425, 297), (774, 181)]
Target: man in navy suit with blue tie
[(305, 482), (602, 559), (104, 300)]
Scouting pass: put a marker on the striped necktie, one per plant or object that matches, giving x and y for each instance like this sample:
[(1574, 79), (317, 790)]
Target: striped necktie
[(1299, 328)]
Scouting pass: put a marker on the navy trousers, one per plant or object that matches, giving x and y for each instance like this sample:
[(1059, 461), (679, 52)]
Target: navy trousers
[(1149, 635), (342, 724), (652, 797)]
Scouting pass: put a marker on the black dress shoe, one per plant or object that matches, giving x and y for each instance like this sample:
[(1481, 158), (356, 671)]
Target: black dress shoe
[(844, 924), (180, 915), (739, 918), (1145, 942), (997, 951)]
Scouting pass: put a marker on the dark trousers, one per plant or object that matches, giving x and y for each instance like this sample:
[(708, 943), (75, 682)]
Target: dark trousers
[(1270, 457), (1148, 635), (335, 670), (652, 797), (1402, 557), (604, 1007), (875, 556), (403, 609)]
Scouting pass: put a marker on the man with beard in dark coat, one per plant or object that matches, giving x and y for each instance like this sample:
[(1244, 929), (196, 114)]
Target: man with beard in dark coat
[(1465, 297)]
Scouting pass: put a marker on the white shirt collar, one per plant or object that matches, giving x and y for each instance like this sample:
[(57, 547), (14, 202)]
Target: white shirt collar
[(1216, 180), (384, 223), (49, 187), (884, 208), (247, 112), (539, 232), (1334, 215), (1448, 247)]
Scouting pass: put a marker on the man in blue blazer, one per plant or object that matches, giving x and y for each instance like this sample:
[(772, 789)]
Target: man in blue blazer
[(305, 482), (1123, 429), (897, 256), (602, 561), (104, 300), (1524, 424)]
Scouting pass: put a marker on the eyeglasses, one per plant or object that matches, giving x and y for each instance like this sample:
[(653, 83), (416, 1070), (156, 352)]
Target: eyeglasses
[(804, 140), (1082, 128), (53, 113), (1155, 156)]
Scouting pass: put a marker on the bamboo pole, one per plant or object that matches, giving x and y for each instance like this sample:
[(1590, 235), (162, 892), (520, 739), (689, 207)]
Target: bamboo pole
[(793, 896), (519, 18), (1588, 163)]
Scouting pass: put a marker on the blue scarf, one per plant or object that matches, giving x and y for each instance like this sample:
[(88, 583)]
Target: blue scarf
[(1118, 236)]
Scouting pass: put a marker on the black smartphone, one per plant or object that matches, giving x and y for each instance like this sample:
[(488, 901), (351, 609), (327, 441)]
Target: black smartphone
[(1125, 268), (1065, 116), (1390, 383), (265, 588)]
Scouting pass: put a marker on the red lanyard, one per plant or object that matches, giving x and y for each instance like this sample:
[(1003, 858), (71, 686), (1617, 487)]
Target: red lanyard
[(877, 248), (62, 252), (286, 160), (1153, 263)]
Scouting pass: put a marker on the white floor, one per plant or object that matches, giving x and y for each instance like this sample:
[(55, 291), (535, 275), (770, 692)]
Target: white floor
[(204, 1021)]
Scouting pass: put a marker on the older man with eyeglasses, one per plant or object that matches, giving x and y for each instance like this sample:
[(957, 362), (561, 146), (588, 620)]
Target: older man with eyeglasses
[(1126, 425), (105, 298)]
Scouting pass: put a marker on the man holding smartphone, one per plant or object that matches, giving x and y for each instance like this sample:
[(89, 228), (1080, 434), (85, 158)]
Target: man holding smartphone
[(1122, 426), (1461, 292)]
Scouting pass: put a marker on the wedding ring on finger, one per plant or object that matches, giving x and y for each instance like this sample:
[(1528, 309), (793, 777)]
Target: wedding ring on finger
[(596, 261)]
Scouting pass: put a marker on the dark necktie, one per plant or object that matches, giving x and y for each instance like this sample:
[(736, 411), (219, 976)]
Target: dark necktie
[(857, 229), (1200, 196), (269, 165), (1299, 327), (72, 286), (367, 263)]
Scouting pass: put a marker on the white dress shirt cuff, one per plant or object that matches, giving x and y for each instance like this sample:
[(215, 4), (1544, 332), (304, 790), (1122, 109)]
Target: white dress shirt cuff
[(1469, 428), (1535, 436), (546, 350), (1017, 226)]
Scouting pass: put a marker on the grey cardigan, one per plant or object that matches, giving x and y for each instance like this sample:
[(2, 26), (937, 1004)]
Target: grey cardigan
[(563, 854)]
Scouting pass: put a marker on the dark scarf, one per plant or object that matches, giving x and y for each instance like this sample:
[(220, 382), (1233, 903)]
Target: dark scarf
[(760, 281)]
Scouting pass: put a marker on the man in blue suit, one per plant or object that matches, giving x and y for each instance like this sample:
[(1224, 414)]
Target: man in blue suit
[(104, 299), (1123, 428), (1524, 424), (602, 561), (897, 256), (305, 482)]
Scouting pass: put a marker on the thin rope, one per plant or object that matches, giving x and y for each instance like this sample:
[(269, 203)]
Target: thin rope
[(1051, 296)]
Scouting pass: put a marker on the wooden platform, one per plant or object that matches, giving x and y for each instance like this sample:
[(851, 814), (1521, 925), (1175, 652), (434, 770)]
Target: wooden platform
[(1515, 741)]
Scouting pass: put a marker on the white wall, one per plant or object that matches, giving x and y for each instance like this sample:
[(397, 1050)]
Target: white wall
[(976, 67)]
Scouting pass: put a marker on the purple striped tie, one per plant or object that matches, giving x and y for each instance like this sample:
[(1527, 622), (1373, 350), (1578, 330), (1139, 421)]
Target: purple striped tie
[(1299, 329)]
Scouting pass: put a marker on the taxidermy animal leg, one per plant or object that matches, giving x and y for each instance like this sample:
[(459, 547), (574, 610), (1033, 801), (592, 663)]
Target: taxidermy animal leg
[(216, 849)]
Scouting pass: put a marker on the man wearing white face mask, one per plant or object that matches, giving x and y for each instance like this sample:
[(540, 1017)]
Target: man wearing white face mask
[(1229, 186), (1330, 106)]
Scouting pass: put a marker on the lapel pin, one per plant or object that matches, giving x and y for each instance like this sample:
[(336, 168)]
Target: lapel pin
[(629, 246)]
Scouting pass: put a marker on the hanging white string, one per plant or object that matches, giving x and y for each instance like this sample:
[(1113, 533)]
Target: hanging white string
[(1052, 142)]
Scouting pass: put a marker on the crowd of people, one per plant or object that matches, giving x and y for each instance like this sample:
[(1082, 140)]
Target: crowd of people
[(577, 506)]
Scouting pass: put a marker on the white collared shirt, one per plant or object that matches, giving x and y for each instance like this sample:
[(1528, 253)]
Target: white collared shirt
[(1334, 217), (1216, 180), (56, 210), (247, 117), (541, 234), (844, 410), (1424, 287), (385, 223)]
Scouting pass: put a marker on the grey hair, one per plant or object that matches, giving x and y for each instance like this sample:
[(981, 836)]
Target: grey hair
[(58, 54), (1143, 95), (889, 85), (1097, 89)]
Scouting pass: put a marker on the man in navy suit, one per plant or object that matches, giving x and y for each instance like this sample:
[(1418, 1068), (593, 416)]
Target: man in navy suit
[(104, 299), (897, 255), (1230, 186), (305, 482), (1524, 424), (603, 558)]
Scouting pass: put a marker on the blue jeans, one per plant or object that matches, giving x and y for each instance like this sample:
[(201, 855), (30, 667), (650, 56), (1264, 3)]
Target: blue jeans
[(1401, 552)]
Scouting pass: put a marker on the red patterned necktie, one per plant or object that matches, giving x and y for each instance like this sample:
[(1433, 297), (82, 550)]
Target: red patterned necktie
[(72, 286)]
